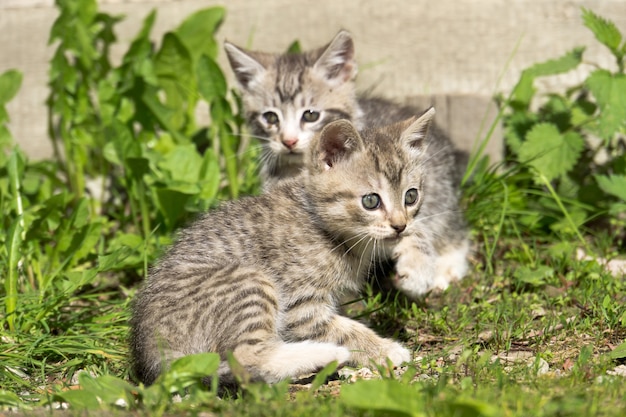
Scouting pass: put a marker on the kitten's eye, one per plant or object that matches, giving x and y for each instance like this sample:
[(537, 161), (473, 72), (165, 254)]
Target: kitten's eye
[(270, 117), (410, 197), (310, 116), (371, 201)]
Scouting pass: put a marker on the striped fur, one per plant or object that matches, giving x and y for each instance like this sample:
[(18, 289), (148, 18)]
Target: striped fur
[(322, 80), (262, 277)]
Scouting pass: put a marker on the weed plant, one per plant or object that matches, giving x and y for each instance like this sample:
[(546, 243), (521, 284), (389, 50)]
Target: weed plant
[(140, 147)]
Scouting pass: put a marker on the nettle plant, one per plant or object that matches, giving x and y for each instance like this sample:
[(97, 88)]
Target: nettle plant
[(572, 145), (140, 147)]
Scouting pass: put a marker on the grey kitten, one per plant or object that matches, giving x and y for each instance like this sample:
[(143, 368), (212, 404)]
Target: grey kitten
[(288, 98), (262, 276)]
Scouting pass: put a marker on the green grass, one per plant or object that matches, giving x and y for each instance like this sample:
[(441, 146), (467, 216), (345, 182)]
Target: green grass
[(531, 331)]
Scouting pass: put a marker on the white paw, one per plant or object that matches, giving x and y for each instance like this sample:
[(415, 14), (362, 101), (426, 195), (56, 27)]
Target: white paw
[(415, 275), (342, 355), (290, 360), (398, 354), (451, 265)]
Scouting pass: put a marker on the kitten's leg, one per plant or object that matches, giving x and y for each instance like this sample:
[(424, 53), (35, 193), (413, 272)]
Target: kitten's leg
[(222, 310), (415, 265), (259, 348), (317, 321), (451, 265), (273, 361)]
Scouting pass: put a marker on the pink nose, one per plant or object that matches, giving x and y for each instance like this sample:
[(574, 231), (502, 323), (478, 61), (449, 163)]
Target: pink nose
[(290, 143)]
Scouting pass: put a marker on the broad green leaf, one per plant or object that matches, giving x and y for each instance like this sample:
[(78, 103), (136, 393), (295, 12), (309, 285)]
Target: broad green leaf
[(197, 32), (534, 276), (210, 176), (561, 65), (174, 68), (85, 240), (138, 167), (211, 81), (108, 389), (10, 82), (524, 90), (198, 365), (80, 399), (171, 204), (183, 163), (173, 59), (189, 370), (163, 114), (470, 407), (613, 184), (608, 89), (141, 45), (604, 30), (551, 153), (619, 352), (384, 396)]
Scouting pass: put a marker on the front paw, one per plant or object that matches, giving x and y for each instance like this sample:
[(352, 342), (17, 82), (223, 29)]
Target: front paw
[(397, 354), (415, 275)]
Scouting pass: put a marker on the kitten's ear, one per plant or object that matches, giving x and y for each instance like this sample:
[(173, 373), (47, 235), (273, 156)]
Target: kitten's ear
[(246, 65), (337, 141), (417, 131), (337, 63)]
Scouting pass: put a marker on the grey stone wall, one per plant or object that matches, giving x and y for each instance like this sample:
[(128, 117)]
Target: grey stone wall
[(452, 53)]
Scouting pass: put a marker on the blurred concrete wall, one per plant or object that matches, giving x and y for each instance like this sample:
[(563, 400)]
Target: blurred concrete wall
[(454, 53)]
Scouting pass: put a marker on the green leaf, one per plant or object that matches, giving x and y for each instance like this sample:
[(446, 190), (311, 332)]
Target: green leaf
[(320, 377), (608, 89), (163, 114), (108, 389), (80, 399), (604, 30), (470, 407), (111, 261), (619, 352), (197, 32), (613, 184), (10, 82), (211, 81), (173, 59), (171, 204), (138, 167), (551, 153), (183, 164), (524, 90), (534, 276), (189, 370), (561, 65), (383, 396), (294, 48), (210, 176), (10, 399)]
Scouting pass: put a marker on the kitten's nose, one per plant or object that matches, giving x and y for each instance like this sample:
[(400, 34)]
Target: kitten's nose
[(290, 143), (399, 228)]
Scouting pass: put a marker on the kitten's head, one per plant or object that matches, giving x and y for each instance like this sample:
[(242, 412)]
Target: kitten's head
[(368, 186), (288, 98)]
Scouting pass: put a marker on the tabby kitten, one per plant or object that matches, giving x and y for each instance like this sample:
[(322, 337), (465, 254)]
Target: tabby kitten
[(290, 97), (262, 277)]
